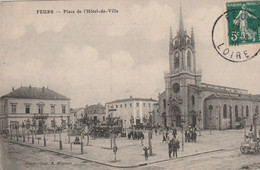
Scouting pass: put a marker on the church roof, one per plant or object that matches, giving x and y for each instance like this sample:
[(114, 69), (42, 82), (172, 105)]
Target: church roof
[(218, 89), (35, 93), (234, 97)]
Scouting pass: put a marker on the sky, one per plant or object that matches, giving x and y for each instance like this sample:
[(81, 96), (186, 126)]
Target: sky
[(97, 58)]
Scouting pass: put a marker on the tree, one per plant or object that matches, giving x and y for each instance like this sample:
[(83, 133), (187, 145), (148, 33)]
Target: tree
[(132, 120)]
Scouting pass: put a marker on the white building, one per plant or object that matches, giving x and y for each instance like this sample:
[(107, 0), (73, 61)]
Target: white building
[(76, 114), (131, 108), (26, 104)]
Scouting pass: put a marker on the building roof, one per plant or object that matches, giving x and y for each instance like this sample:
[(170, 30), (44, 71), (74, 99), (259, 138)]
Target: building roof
[(95, 106), (76, 110), (132, 99), (35, 93), (219, 89), (235, 97)]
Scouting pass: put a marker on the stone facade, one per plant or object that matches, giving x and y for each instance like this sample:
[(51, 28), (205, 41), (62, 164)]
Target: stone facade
[(76, 114), (28, 103), (96, 112), (186, 99), (135, 109)]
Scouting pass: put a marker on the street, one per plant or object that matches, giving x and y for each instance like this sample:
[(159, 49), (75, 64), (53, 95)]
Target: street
[(217, 151), (14, 157)]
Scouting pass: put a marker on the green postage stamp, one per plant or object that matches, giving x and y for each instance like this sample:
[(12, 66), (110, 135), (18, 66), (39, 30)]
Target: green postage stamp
[(243, 22), (236, 32)]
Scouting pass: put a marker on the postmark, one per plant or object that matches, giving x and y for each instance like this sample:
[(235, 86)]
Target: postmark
[(236, 32)]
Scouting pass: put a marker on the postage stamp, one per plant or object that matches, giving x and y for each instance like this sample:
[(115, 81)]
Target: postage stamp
[(242, 22), (236, 32)]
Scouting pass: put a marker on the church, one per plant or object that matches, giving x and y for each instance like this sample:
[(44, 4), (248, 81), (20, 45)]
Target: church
[(187, 101)]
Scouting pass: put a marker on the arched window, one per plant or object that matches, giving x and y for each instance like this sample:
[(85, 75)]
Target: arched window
[(236, 112), (189, 59), (176, 60), (256, 110), (193, 100), (164, 103), (247, 111), (225, 111)]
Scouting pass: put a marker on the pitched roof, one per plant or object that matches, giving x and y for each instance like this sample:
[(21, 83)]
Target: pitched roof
[(218, 89), (76, 110), (234, 97), (35, 93), (95, 106), (132, 99)]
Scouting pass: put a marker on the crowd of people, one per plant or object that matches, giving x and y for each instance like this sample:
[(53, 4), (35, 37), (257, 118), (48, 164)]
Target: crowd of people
[(191, 135), (135, 135)]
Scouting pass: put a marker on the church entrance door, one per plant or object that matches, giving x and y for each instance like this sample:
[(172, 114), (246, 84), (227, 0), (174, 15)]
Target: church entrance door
[(175, 115)]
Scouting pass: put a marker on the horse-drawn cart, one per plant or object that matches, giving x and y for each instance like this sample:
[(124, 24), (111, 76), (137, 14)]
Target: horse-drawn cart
[(250, 146)]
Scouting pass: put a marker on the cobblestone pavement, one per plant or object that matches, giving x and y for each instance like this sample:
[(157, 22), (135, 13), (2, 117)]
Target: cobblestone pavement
[(17, 157), (130, 151)]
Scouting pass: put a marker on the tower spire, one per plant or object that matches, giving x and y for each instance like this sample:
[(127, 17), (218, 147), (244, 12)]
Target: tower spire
[(171, 37), (181, 26), (192, 38), (170, 41)]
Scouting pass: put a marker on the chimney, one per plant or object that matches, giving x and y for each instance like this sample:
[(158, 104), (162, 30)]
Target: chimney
[(43, 89), (131, 97), (30, 87), (13, 89)]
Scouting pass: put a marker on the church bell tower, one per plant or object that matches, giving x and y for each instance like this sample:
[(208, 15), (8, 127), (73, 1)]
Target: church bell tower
[(182, 72)]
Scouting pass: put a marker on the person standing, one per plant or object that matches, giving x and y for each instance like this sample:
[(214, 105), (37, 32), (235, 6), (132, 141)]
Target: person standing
[(175, 147), (146, 152), (164, 137), (170, 148)]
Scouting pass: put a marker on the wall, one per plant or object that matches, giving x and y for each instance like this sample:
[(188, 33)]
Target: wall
[(20, 114)]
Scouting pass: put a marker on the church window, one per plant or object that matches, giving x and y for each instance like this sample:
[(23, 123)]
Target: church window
[(247, 111), (236, 112), (225, 111), (189, 59), (256, 110), (164, 103), (176, 60), (193, 100)]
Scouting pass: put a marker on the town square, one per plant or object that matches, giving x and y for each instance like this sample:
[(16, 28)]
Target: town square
[(129, 85)]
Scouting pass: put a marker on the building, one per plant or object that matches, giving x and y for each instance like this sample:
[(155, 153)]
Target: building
[(26, 104), (96, 112), (133, 111), (189, 102), (76, 114)]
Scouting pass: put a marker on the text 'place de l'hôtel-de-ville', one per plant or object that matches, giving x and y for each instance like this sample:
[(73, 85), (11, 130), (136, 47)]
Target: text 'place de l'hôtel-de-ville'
[(185, 100)]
